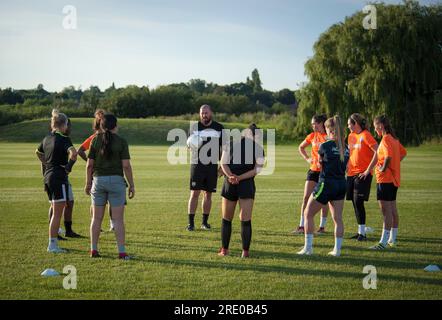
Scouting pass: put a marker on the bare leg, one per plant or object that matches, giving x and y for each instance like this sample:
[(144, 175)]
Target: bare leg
[(207, 202), (336, 208), (54, 225), (193, 201), (95, 229), (311, 210), (120, 232)]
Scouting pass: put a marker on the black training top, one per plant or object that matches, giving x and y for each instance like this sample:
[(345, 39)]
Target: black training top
[(212, 135), (331, 165), (243, 155), (55, 148)]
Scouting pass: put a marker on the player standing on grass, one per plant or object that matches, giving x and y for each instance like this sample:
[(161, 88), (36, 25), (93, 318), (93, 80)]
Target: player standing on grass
[(240, 163), (388, 177), (363, 157), (85, 146), (58, 155), (108, 163), (204, 169), (331, 187), (315, 139), (69, 208)]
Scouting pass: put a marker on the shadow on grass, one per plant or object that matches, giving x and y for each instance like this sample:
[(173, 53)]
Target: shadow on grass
[(222, 263), (378, 261)]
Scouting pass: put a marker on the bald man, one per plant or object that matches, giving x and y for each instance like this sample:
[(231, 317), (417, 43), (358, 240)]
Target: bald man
[(204, 171)]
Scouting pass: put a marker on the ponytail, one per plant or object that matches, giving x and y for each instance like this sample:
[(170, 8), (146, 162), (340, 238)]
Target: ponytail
[(334, 124), (107, 123)]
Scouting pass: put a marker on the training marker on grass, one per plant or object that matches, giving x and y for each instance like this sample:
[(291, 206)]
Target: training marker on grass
[(432, 268), (50, 273)]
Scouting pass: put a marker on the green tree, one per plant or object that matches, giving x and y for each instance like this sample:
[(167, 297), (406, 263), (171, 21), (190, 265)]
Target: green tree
[(391, 70), (256, 81)]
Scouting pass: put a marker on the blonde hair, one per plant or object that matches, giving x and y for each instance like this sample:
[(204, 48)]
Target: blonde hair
[(334, 125), (58, 120), (98, 116)]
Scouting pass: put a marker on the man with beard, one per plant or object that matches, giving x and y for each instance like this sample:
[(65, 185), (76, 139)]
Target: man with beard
[(204, 169)]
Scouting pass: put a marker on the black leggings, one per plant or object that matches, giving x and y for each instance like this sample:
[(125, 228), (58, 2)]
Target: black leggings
[(358, 205)]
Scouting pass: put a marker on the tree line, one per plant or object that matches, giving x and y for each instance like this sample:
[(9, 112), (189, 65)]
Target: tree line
[(140, 102)]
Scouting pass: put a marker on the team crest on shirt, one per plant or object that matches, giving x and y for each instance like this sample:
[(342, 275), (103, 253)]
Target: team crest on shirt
[(193, 183)]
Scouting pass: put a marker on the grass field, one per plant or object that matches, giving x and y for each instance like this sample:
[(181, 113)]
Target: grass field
[(174, 264)]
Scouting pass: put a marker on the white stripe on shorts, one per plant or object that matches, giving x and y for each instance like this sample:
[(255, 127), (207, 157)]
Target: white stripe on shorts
[(63, 188)]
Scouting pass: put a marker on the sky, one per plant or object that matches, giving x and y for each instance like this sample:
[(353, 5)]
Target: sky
[(156, 42)]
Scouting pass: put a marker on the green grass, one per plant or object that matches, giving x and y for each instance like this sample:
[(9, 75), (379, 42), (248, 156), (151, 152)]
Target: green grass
[(174, 264)]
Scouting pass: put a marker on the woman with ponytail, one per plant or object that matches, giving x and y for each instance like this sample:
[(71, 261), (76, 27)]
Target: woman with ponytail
[(57, 155), (333, 155), (315, 139), (362, 160), (108, 163), (85, 146), (388, 177)]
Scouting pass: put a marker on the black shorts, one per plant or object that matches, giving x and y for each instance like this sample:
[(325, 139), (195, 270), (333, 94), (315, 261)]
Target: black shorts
[(313, 176), (244, 190), (57, 190), (203, 177), (386, 191), (359, 187), (329, 190)]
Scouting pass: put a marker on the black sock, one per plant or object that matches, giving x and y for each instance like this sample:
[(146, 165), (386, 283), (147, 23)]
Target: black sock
[(246, 234), (226, 232), (191, 219), (205, 218), (68, 226)]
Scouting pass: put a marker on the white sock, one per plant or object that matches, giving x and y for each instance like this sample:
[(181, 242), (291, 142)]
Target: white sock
[(301, 222), (53, 243), (323, 222), (338, 245), (308, 241), (361, 229), (393, 235), (385, 236)]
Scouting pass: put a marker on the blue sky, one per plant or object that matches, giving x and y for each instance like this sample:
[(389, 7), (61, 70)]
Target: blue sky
[(163, 41)]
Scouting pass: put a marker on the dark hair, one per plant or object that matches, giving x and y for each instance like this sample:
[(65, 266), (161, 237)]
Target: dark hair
[(320, 118), (253, 127), (98, 116), (69, 127), (360, 120), (107, 123), (386, 123)]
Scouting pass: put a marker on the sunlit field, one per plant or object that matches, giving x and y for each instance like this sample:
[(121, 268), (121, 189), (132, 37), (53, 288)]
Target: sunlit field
[(171, 263)]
